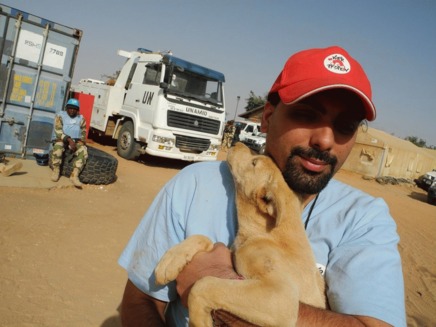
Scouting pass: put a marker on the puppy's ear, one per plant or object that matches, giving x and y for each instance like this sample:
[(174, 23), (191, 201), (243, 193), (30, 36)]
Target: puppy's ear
[(266, 202)]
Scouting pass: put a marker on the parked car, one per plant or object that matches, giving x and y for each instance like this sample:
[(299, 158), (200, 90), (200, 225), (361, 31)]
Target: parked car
[(426, 180), (256, 142), (247, 128), (431, 195)]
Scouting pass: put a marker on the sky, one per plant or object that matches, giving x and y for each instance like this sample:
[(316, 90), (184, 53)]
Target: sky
[(250, 40)]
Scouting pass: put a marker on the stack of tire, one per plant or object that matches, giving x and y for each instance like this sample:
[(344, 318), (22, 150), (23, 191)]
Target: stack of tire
[(100, 168)]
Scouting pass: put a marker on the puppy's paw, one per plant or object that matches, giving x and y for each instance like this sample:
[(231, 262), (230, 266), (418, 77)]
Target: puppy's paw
[(168, 268), (176, 258)]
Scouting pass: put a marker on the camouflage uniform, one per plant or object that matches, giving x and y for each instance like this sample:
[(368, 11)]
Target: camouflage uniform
[(228, 136), (61, 143)]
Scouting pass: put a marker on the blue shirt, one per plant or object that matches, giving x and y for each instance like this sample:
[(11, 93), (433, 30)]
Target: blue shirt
[(352, 235), (71, 126)]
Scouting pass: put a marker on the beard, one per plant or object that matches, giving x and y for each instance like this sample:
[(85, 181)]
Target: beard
[(303, 181)]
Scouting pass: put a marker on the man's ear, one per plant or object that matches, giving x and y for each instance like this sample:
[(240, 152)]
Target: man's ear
[(268, 110)]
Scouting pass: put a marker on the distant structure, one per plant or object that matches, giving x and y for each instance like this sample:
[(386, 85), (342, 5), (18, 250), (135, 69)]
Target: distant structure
[(378, 154)]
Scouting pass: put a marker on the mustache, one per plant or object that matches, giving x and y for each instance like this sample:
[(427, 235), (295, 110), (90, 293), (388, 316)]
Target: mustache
[(314, 153)]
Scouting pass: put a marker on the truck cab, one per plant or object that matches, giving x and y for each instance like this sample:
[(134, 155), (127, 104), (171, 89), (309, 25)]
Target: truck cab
[(161, 105)]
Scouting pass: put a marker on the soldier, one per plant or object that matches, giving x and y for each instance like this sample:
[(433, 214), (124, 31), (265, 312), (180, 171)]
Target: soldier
[(229, 133), (236, 133), (70, 132)]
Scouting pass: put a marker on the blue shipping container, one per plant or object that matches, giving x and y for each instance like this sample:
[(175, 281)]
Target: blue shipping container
[(36, 70)]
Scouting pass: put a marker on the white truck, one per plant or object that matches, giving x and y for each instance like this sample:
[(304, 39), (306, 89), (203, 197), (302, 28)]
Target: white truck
[(247, 128), (160, 105), (256, 142)]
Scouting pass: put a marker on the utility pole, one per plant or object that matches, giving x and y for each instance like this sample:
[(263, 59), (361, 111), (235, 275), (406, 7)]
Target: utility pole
[(237, 103)]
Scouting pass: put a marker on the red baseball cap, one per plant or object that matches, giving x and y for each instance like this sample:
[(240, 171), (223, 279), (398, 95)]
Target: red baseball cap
[(314, 70)]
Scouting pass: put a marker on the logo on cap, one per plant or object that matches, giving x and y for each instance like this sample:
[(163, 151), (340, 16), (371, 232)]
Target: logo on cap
[(337, 63)]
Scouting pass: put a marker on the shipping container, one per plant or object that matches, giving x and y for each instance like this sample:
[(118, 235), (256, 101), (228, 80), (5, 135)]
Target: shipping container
[(37, 64)]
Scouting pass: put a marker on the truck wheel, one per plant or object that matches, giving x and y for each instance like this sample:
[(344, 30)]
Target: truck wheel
[(100, 168), (127, 147)]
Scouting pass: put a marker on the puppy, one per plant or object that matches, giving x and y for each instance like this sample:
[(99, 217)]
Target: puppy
[(271, 251)]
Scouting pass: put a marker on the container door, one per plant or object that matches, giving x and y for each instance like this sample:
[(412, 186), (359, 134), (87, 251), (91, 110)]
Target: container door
[(37, 61)]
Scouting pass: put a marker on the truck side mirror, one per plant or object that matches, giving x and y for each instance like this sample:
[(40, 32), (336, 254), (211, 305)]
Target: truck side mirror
[(163, 85)]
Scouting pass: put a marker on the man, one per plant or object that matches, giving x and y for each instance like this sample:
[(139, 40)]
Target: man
[(311, 119), (229, 133), (236, 134), (70, 132)]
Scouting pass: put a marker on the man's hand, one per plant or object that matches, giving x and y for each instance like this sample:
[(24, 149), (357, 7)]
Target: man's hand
[(217, 262), (72, 145)]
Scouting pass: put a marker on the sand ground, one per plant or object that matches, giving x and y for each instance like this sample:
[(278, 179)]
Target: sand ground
[(59, 246)]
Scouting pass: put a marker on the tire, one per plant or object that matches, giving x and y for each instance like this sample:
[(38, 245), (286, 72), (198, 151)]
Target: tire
[(127, 147), (100, 168)]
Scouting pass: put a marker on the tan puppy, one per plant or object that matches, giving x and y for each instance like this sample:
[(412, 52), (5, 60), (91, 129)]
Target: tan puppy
[(271, 250)]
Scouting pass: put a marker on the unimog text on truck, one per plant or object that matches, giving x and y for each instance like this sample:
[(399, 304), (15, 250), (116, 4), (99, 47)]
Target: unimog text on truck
[(160, 105)]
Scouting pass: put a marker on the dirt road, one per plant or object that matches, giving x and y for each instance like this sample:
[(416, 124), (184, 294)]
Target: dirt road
[(60, 247)]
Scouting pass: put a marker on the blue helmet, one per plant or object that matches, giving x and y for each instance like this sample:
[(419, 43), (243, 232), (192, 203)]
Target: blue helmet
[(73, 103)]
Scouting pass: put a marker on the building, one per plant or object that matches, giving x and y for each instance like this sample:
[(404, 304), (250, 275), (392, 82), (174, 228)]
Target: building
[(377, 154)]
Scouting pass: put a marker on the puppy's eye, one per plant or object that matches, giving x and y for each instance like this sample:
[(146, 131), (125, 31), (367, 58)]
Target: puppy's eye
[(254, 162)]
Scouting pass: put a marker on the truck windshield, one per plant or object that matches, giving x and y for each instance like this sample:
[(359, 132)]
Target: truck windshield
[(194, 86)]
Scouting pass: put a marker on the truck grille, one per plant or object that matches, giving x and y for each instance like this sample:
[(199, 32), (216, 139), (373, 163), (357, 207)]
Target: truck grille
[(193, 123), (191, 144)]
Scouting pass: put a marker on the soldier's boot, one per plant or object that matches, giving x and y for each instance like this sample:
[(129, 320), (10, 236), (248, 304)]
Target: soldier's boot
[(55, 174), (8, 170), (74, 177)]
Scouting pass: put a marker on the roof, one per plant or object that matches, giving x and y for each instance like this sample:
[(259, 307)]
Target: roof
[(255, 113)]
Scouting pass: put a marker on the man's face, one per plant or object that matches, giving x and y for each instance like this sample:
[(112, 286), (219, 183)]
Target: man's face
[(72, 111), (311, 140)]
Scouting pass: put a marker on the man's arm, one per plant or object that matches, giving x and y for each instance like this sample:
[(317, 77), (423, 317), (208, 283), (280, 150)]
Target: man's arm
[(59, 129), (139, 309), (83, 130), (218, 262), (310, 316)]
